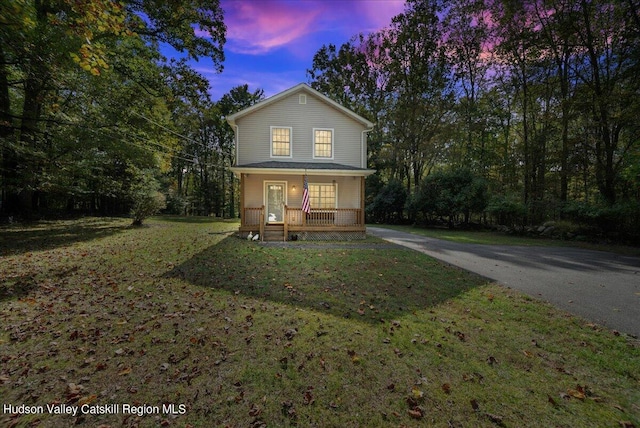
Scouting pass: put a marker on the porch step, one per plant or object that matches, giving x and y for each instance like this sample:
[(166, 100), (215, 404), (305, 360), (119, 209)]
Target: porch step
[(273, 232)]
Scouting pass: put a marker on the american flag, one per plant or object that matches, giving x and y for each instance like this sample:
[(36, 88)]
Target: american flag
[(306, 206)]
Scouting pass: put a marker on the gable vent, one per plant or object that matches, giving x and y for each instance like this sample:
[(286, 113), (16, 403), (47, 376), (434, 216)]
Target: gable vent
[(302, 99)]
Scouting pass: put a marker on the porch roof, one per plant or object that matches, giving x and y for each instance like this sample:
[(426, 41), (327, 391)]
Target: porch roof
[(294, 168)]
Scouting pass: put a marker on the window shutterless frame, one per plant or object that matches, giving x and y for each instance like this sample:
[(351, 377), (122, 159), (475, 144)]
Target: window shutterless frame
[(281, 142), (323, 195), (323, 146)]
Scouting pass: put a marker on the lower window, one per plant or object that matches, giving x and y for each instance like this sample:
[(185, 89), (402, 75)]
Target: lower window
[(322, 196)]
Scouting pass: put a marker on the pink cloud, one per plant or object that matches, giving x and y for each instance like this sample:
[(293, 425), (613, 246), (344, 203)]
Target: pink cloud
[(271, 43), (259, 27), (378, 13)]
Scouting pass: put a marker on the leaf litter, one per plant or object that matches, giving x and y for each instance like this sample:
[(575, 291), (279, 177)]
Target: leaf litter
[(165, 330)]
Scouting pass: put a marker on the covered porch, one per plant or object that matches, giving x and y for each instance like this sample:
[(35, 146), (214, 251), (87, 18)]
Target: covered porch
[(271, 203)]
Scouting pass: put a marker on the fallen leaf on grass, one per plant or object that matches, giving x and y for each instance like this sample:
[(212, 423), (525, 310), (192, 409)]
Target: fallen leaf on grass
[(288, 410), (124, 371), (416, 413), (73, 392), (494, 418), (417, 394), (290, 333), (446, 388), (308, 397), (578, 393), (255, 410), (474, 405), (354, 358), (87, 399)]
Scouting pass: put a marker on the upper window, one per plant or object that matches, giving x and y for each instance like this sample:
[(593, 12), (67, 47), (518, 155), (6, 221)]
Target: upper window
[(322, 196), (323, 143), (280, 142)]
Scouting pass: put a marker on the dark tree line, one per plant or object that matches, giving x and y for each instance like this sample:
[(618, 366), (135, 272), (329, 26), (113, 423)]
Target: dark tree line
[(94, 119), (538, 99), (204, 184), (536, 102)]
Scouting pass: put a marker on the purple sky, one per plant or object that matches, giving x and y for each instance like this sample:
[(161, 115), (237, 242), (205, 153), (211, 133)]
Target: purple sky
[(271, 43)]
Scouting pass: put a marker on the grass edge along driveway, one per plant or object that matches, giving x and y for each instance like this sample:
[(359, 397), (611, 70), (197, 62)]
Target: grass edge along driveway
[(600, 286), (180, 312)]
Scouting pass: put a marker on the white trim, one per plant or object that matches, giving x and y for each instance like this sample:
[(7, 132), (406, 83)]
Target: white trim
[(313, 143), (271, 128), (265, 199), (363, 147), (236, 136), (302, 99), (297, 171)]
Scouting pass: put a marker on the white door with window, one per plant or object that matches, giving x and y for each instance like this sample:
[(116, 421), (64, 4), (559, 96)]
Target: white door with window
[(275, 198)]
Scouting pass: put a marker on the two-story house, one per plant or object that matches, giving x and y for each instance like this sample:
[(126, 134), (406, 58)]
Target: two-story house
[(302, 160)]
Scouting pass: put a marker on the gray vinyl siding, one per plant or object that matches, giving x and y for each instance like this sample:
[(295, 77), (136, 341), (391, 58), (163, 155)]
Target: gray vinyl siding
[(254, 135), (348, 189)]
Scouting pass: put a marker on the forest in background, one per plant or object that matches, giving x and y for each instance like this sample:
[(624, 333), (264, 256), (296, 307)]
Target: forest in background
[(514, 113), (492, 112), (94, 119)]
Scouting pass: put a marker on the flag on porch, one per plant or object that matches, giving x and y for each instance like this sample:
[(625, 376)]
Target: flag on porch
[(306, 206)]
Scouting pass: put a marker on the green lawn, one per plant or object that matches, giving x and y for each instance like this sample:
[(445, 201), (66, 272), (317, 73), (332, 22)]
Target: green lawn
[(181, 312)]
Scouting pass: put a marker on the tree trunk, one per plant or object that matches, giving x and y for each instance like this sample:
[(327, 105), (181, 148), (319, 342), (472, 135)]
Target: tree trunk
[(608, 138), (9, 201)]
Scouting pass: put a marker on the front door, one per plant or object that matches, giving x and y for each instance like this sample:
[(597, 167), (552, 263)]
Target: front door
[(275, 196)]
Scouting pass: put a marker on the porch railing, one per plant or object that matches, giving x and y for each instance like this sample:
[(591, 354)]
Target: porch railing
[(336, 217), (296, 218), (252, 217)]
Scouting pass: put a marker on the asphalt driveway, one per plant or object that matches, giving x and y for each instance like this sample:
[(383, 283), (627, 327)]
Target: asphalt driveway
[(601, 287)]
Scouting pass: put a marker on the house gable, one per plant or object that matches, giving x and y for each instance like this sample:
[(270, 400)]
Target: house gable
[(309, 116)]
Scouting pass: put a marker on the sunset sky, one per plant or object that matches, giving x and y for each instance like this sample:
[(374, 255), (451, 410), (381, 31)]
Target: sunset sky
[(271, 43)]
